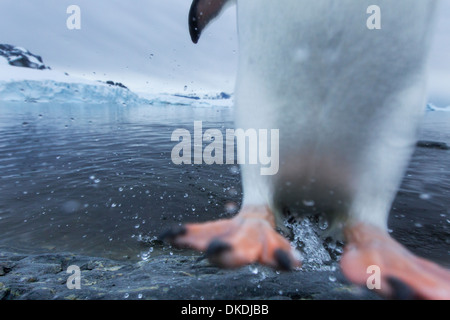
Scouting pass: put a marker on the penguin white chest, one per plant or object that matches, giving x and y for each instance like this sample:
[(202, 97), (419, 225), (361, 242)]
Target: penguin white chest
[(346, 100)]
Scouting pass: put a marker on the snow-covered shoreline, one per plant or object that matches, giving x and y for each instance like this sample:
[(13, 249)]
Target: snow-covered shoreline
[(39, 83), (20, 84)]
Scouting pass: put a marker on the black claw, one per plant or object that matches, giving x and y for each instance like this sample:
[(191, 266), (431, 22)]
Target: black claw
[(172, 233), (401, 291), (283, 260), (217, 247)]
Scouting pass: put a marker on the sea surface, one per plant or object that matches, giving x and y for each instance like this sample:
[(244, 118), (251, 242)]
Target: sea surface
[(99, 180)]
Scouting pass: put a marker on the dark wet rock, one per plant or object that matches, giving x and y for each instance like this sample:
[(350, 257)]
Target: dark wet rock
[(164, 277), (20, 57), (117, 84), (224, 95), (433, 145), (218, 96)]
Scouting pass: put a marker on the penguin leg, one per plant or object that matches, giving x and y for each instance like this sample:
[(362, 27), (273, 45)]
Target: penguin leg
[(372, 255), (249, 237)]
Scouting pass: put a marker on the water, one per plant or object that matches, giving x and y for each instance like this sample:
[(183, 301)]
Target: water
[(310, 245), (99, 180)]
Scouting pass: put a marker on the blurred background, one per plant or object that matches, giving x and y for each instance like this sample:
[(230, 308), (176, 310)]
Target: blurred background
[(143, 43), (146, 45)]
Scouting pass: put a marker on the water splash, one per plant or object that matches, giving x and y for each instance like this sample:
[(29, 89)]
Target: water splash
[(314, 250), (253, 269), (309, 203)]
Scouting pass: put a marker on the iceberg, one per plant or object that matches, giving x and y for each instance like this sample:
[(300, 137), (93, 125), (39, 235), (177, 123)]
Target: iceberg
[(65, 92), (20, 57)]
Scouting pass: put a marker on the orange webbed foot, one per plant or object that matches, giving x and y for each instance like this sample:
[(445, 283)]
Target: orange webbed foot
[(247, 238), (402, 275)]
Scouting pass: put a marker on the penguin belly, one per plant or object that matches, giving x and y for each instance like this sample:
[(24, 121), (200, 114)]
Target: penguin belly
[(346, 100)]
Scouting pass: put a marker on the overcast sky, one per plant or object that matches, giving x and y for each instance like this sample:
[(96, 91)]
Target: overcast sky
[(146, 45), (118, 37)]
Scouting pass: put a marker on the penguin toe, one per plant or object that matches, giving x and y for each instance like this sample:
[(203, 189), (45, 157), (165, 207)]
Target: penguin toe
[(372, 258), (245, 239)]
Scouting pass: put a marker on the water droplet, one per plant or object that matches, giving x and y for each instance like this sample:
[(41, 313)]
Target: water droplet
[(309, 203), (231, 207), (425, 196), (126, 295), (186, 195), (120, 189), (323, 223), (234, 169), (418, 225), (113, 205), (253, 269), (137, 226), (92, 177), (71, 206), (140, 296), (97, 180), (332, 278)]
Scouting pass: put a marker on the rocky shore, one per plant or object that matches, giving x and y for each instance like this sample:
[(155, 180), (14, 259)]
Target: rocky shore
[(165, 277)]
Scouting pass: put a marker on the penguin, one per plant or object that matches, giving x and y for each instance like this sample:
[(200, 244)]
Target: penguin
[(347, 100)]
